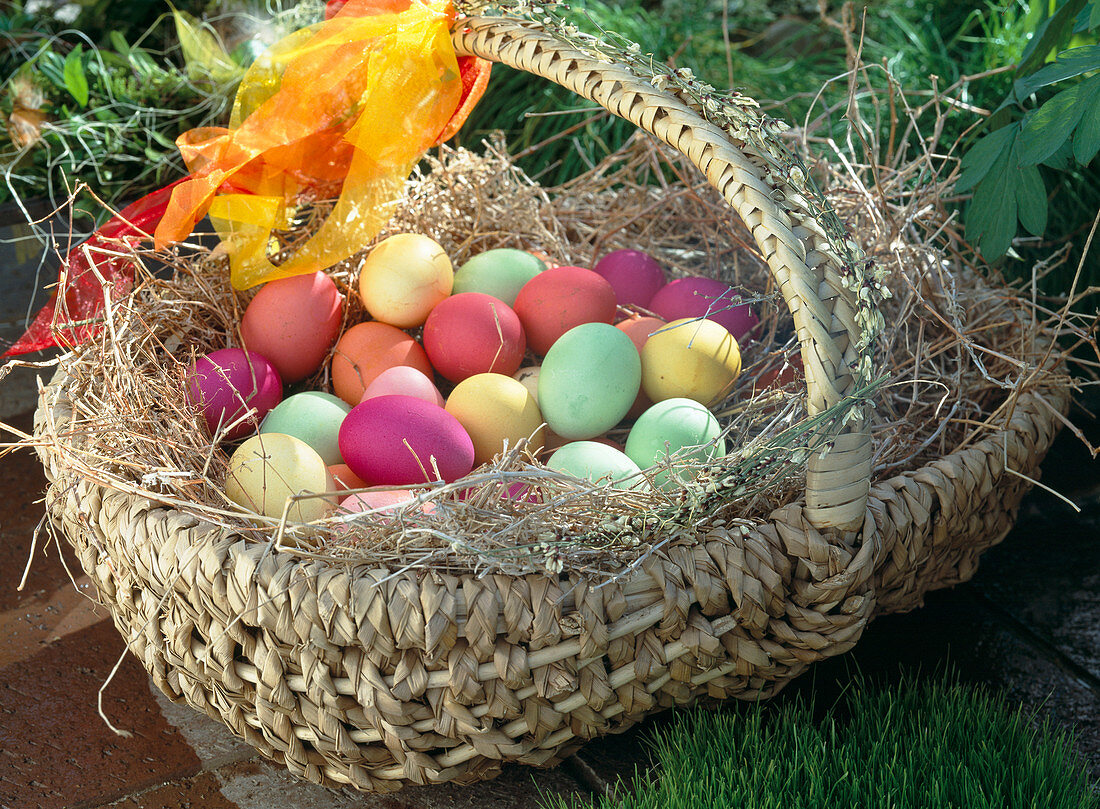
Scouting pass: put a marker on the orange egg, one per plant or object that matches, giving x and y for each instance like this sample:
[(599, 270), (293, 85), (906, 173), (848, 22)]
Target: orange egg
[(368, 349), (345, 479), (293, 323), (638, 330)]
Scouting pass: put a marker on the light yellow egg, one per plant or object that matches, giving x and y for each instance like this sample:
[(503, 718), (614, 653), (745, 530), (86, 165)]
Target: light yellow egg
[(403, 278), (689, 358), (529, 378), (270, 467), (494, 408)]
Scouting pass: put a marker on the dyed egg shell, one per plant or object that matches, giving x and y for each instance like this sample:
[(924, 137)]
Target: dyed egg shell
[(638, 330), (589, 380), (268, 468), (227, 383), (383, 501), (403, 380), (314, 417), (555, 301), (592, 460), (400, 440), (500, 273), (343, 479), (294, 322), (669, 427), (694, 359), (366, 350), (495, 409), (529, 378), (473, 333), (704, 297), (635, 276), (403, 278)]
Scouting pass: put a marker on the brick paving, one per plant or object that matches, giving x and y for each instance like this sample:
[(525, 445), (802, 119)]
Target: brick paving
[(1028, 624)]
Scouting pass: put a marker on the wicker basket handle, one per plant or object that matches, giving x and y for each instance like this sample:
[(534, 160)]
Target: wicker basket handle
[(805, 268)]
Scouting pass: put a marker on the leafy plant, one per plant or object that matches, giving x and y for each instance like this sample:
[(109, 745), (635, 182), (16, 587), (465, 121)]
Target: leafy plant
[(1002, 168)]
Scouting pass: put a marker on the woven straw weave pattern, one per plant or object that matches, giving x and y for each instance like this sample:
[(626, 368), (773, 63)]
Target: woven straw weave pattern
[(358, 676)]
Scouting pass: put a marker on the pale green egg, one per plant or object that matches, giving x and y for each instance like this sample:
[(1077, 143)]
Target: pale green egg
[(314, 417), (500, 273), (675, 427), (589, 379), (591, 460)]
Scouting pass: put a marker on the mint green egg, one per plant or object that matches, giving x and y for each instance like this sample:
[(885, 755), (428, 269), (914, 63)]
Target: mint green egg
[(312, 416), (591, 460), (680, 427), (589, 380), (501, 273)]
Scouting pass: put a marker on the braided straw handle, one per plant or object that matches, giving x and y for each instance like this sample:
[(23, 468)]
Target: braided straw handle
[(805, 268)]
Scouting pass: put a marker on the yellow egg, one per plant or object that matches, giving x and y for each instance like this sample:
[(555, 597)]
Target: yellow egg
[(694, 359), (494, 408), (270, 467), (403, 279)]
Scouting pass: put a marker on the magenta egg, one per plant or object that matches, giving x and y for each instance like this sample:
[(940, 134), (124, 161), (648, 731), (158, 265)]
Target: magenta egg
[(227, 384), (635, 276), (400, 440), (704, 297), (403, 380)]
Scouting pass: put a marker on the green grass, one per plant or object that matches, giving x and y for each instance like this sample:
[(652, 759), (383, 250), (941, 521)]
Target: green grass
[(920, 746)]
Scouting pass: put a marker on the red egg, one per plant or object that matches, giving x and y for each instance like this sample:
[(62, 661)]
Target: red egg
[(474, 333), (401, 440), (294, 322), (558, 299), (704, 297), (366, 350), (226, 384), (635, 276), (638, 330)]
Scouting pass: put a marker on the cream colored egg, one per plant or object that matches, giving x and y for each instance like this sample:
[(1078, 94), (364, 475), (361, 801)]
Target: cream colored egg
[(269, 468), (403, 279), (529, 378), (690, 358)]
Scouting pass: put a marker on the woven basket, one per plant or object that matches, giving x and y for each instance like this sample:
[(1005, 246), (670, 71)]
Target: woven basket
[(427, 678)]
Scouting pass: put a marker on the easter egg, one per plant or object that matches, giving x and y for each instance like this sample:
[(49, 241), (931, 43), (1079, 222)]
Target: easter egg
[(229, 383), (495, 409), (693, 359), (638, 330), (680, 427), (595, 461), (366, 350), (501, 273), (403, 380), (269, 468), (293, 322), (400, 440), (704, 297), (345, 479), (473, 333), (554, 301), (403, 278), (382, 501), (589, 380), (529, 378), (314, 417), (635, 276)]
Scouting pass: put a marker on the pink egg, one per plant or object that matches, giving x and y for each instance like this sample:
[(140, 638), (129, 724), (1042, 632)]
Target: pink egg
[(704, 297), (473, 333), (635, 276), (385, 500), (294, 322), (403, 380), (398, 440), (227, 383)]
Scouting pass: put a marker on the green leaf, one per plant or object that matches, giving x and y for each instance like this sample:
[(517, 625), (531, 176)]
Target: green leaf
[(1050, 126), (203, 51), (1094, 17), (977, 162), (1070, 63), (1031, 200), (119, 43), (1049, 37), (75, 80), (1086, 141), (1059, 161)]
